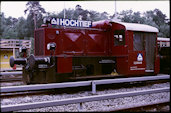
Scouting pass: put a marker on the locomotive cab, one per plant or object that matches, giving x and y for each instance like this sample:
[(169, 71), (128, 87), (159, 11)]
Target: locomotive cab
[(135, 48)]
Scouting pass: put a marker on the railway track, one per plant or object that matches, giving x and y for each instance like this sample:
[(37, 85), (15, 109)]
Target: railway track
[(81, 100), (10, 76), (158, 106), (11, 79), (92, 83), (11, 73), (71, 88)]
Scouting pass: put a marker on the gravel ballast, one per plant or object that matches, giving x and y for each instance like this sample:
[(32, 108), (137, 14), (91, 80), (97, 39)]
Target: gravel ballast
[(103, 105)]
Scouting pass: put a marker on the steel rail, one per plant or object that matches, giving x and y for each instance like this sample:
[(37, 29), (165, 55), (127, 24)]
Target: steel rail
[(124, 80), (131, 79), (10, 70), (11, 79), (7, 108), (11, 73), (92, 83), (44, 86)]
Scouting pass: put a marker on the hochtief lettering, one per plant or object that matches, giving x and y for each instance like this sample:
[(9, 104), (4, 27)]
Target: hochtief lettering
[(70, 22)]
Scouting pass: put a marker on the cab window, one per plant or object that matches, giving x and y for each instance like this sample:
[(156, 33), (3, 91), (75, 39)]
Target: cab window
[(138, 41), (119, 37)]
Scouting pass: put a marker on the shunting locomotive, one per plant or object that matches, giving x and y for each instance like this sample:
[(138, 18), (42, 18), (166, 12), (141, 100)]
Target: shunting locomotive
[(68, 49)]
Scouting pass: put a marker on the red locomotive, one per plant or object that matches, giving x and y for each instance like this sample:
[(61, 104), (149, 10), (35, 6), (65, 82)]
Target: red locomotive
[(106, 49)]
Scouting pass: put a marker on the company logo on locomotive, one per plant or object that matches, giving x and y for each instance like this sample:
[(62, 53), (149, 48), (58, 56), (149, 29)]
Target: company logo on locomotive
[(70, 22)]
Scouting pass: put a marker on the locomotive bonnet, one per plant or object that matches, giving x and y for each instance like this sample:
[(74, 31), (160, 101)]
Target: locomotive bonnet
[(100, 49)]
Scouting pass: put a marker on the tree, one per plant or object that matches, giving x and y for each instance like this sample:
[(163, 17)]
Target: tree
[(7, 29), (132, 17), (157, 16), (160, 21), (2, 21), (126, 16), (35, 11), (68, 14), (21, 28), (79, 12), (154, 18), (29, 26)]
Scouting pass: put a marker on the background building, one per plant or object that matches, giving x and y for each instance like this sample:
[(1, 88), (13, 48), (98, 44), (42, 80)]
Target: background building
[(10, 47)]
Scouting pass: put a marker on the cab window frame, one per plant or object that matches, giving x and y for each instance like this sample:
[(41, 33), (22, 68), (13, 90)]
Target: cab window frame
[(119, 37)]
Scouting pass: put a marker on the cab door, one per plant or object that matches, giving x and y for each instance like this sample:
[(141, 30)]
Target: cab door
[(137, 55), (120, 50), (119, 47)]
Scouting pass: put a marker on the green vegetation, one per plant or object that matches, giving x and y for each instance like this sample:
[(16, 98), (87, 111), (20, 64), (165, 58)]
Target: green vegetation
[(21, 28)]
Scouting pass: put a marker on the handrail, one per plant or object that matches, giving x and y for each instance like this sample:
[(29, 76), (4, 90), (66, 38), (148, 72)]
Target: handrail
[(14, 43)]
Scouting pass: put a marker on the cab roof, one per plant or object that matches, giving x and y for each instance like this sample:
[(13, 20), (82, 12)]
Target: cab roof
[(137, 27), (104, 24)]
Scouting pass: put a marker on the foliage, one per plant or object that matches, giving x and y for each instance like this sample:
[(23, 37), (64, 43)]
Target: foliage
[(22, 28), (130, 16), (79, 13), (8, 29), (154, 18), (35, 11)]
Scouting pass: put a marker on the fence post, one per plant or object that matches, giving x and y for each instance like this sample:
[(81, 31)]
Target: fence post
[(93, 87), (80, 106)]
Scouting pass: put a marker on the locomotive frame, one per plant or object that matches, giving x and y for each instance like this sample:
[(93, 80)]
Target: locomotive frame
[(109, 48)]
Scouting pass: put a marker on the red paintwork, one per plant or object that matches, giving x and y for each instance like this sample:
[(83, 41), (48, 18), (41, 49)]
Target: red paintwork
[(119, 50), (122, 65), (39, 42), (80, 42), (64, 64), (157, 65), (90, 42)]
